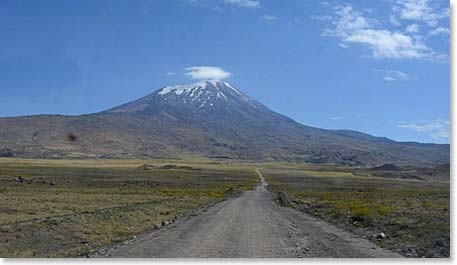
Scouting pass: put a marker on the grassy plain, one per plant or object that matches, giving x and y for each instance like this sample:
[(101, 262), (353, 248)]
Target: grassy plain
[(413, 215), (67, 208), (61, 208)]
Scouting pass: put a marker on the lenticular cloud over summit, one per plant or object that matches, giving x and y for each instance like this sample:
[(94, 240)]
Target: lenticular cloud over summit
[(206, 72)]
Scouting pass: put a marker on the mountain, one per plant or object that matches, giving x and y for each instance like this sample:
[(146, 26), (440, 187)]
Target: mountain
[(209, 118)]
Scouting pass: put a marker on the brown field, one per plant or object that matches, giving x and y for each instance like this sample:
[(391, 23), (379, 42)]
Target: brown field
[(56, 208), (413, 215), (69, 208)]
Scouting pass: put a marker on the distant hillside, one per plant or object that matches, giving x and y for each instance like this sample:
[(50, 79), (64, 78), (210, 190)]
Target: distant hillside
[(208, 118), (387, 167)]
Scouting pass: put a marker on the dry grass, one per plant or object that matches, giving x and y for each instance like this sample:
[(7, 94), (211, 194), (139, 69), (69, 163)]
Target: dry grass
[(415, 215), (68, 207)]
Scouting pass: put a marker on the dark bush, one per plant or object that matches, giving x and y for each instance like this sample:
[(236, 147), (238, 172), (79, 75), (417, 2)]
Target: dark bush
[(6, 152), (71, 137)]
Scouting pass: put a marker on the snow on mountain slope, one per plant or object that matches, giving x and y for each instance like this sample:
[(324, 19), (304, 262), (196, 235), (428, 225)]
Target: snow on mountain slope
[(205, 92), (201, 95)]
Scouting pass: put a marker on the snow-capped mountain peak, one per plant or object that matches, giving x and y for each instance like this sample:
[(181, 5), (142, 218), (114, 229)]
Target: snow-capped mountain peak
[(205, 93), (201, 96), (191, 89)]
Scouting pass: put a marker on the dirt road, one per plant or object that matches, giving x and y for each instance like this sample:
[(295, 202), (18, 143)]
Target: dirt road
[(252, 225)]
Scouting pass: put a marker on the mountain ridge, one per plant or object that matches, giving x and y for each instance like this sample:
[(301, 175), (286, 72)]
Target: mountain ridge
[(208, 118)]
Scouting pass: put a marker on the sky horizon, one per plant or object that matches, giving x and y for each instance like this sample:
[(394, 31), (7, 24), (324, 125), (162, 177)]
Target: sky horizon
[(378, 67)]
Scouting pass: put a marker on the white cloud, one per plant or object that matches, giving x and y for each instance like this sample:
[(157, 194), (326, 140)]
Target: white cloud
[(394, 20), (170, 73), (206, 72), (193, 2), (342, 45), (351, 26), (252, 4), (392, 75), (387, 44), (420, 10), (244, 3), (270, 19), (439, 31), (438, 129), (297, 21), (337, 118), (413, 28)]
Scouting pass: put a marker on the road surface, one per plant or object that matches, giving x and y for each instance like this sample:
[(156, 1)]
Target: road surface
[(249, 226)]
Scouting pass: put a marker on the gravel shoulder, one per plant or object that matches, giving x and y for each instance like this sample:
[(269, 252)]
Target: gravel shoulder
[(252, 225)]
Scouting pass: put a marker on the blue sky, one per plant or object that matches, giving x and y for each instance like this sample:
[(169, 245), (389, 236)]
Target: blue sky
[(380, 67)]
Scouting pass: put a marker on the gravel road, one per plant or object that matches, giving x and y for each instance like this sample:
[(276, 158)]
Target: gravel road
[(250, 226)]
